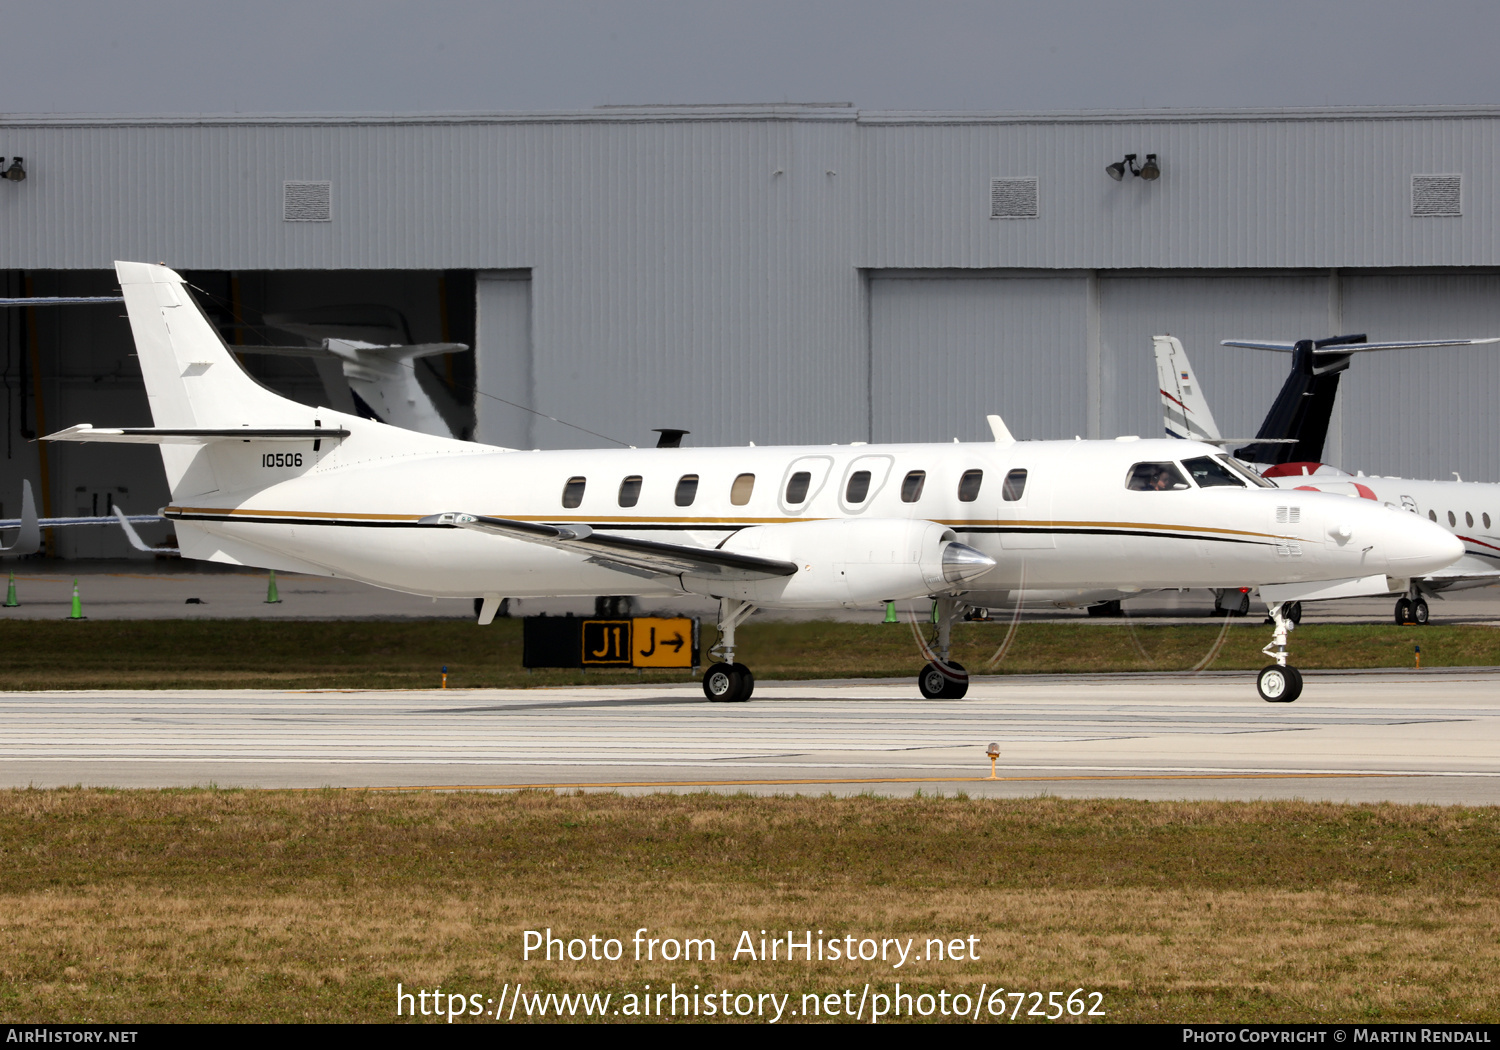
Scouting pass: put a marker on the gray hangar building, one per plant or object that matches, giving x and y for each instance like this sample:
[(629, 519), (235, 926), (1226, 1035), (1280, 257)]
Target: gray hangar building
[(776, 274)]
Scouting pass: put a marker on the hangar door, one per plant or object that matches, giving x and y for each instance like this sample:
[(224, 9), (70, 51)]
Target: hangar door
[(947, 349)]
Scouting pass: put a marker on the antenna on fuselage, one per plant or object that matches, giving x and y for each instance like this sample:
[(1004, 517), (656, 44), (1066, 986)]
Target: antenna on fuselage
[(670, 437)]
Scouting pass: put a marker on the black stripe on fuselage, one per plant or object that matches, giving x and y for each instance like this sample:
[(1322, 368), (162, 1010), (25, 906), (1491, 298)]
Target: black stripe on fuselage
[(365, 523)]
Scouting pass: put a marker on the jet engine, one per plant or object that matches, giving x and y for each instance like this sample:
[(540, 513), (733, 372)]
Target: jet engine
[(850, 562)]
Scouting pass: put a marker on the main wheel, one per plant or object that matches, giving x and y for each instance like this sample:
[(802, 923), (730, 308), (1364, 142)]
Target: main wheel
[(747, 682), (1279, 685), (1293, 611), (1106, 609), (1403, 611), (932, 682), (1419, 612), (724, 683), (958, 682)]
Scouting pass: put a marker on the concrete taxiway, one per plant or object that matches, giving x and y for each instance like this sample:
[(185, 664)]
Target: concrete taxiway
[(1409, 736)]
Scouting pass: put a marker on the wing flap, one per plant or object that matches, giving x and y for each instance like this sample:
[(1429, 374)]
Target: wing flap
[(623, 552)]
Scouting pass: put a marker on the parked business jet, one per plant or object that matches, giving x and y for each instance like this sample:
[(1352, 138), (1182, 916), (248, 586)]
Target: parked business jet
[(259, 480), (1289, 444)]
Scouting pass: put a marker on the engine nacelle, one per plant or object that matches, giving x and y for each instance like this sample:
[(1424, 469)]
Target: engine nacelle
[(850, 562)]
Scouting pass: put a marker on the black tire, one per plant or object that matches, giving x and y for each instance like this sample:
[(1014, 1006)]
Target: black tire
[(722, 683), (1403, 611), (1243, 608), (1293, 611), (958, 682), (1279, 685), (1106, 609), (747, 682), (1420, 612)]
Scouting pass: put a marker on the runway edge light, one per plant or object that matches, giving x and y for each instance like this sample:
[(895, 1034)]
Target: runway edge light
[(994, 752)]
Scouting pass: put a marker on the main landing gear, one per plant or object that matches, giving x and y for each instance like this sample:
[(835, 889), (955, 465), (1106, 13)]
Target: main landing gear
[(726, 682), (1412, 611), (943, 679), (1279, 683)]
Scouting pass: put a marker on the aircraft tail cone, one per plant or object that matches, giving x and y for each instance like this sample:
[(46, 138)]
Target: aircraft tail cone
[(10, 593), (77, 613), (890, 613), (272, 598)]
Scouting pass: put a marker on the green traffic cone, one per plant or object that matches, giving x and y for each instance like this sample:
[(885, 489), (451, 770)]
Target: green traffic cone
[(77, 613), (934, 612), (10, 593), (272, 598), (890, 613)]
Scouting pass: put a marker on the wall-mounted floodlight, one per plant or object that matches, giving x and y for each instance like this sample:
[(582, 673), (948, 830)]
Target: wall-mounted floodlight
[(1150, 171), (1116, 170), (16, 172)]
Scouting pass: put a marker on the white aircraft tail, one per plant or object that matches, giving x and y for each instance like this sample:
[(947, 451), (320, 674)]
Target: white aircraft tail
[(1185, 411), (220, 431)]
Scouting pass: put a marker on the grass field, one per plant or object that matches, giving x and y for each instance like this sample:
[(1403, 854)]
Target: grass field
[(37, 654), (260, 906)]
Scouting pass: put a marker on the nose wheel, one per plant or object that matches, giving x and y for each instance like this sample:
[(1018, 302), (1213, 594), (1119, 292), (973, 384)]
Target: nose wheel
[(1412, 611), (1279, 685)]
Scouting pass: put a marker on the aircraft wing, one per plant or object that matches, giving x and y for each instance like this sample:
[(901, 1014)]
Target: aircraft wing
[(648, 557), (1353, 348)]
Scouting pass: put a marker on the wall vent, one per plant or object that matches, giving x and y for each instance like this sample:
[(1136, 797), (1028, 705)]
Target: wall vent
[(1013, 198), (1288, 515), (1437, 195), (307, 202)]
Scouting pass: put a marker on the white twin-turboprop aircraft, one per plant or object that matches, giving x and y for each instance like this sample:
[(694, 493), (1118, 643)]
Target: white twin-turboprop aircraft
[(259, 480)]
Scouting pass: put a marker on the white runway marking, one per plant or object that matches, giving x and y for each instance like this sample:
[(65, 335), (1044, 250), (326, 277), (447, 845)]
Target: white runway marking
[(1420, 736)]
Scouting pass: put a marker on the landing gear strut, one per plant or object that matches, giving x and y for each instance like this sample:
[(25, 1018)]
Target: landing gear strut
[(1279, 683), (725, 681), (943, 679)]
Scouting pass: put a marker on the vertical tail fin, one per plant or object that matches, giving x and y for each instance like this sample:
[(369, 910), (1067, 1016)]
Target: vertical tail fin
[(1185, 411)]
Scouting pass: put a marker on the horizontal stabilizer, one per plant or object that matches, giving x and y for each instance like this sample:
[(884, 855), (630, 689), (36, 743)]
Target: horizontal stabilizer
[(624, 553), (135, 538), (1353, 348), (61, 300), (193, 435), (347, 351), (1241, 441)]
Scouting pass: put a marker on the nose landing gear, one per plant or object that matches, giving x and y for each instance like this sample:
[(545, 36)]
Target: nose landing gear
[(727, 682), (1279, 683), (1412, 611)]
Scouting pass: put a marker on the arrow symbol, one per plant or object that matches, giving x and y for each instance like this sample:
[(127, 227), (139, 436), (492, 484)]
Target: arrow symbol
[(676, 642)]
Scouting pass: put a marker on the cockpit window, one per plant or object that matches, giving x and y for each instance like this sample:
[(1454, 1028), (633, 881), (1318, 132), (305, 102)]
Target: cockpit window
[(1155, 477), (1245, 472), (1208, 473)]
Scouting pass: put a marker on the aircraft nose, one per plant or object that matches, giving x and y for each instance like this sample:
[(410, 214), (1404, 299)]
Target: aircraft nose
[(1420, 547)]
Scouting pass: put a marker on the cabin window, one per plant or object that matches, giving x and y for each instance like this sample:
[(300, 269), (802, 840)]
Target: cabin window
[(630, 491), (796, 486), (1209, 473), (858, 488), (739, 492), (1486, 520), (1432, 515), (573, 492), (1452, 521), (687, 490), (1014, 487), (911, 486), (968, 485), (1468, 519), (1155, 477)]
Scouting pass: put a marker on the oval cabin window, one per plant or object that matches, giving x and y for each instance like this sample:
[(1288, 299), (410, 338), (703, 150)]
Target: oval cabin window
[(796, 486), (739, 492), (1014, 487), (573, 492), (1452, 521), (687, 490), (630, 491), (858, 488), (968, 485), (1468, 519), (911, 486)]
